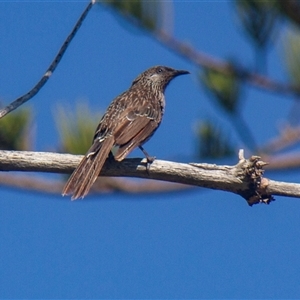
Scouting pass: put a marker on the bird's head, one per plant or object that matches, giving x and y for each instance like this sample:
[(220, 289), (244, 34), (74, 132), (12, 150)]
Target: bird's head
[(158, 76)]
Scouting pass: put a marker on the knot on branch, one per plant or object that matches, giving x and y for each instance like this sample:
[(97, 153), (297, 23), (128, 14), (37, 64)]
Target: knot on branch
[(250, 171)]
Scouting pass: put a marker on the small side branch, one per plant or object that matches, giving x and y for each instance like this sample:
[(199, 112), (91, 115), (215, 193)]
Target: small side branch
[(245, 178), (21, 100), (203, 60)]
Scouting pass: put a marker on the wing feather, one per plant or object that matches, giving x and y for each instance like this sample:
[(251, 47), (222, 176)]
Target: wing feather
[(133, 120), (138, 139)]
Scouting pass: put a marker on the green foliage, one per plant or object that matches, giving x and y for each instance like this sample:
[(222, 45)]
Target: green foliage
[(76, 128), (14, 130), (214, 143), (292, 55), (224, 88), (147, 13), (258, 18)]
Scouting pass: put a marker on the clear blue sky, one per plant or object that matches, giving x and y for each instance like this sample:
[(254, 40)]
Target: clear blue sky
[(196, 244)]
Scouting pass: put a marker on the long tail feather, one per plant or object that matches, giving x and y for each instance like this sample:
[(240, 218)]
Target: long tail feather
[(88, 170)]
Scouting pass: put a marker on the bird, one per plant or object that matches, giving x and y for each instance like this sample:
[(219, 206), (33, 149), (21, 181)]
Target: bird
[(129, 122)]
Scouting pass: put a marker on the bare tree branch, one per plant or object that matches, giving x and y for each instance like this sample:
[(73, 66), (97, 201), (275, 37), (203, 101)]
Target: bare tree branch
[(288, 136), (21, 100), (244, 179), (282, 162), (103, 185), (181, 48), (202, 59)]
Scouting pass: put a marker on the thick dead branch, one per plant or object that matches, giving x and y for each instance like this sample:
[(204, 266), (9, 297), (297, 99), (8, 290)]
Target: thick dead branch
[(21, 100), (244, 179)]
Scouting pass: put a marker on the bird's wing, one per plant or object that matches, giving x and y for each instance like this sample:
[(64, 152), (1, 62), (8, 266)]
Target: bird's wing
[(132, 121), (141, 137), (135, 126)]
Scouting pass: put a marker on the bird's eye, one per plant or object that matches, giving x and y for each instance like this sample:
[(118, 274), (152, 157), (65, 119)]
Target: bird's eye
[(160, 70)]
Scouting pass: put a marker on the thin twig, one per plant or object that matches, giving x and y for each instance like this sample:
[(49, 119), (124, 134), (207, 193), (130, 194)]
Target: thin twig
[(288, 161), (202, 59), (21, 100), (288, 137)]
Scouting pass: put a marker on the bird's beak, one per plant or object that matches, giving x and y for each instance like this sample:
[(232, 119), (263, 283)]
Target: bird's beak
[(181, 72)]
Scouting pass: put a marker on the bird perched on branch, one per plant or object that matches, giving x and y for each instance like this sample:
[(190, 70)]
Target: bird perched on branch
[(129, 121)]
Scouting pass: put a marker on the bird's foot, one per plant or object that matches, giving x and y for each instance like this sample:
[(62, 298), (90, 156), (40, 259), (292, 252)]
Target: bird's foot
[(150, 159)]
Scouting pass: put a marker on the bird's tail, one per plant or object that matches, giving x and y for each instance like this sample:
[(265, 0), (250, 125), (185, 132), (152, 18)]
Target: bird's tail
[(88, 170)]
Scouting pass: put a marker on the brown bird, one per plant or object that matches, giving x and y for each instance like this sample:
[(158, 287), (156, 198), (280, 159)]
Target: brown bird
[(130, 120)]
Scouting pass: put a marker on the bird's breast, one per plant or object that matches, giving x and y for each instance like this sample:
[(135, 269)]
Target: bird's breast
[(162, 102)]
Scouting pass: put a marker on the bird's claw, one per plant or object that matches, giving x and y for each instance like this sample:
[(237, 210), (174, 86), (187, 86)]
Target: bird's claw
[(150, 160)]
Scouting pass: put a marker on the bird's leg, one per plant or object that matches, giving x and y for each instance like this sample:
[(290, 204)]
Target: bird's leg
[(150, 159)]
